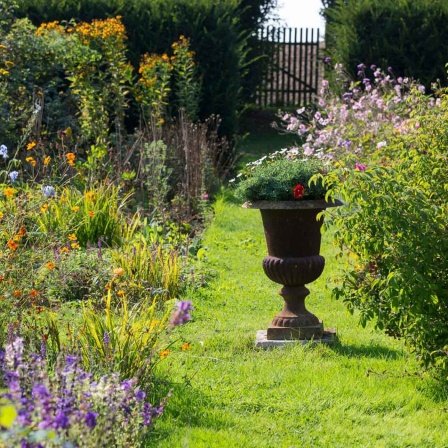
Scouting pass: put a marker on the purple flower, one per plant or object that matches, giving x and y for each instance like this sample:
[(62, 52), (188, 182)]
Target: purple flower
[(4, 151), (139, 394), (48, 191), (327, 60), (13, 175), (106, 339), (90, 419), (360, 167), (181, 315), (43, 348), (61, 420)]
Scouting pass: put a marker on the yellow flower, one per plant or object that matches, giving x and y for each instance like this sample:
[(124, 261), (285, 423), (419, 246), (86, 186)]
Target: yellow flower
[(1, 215), (64, 250), (9, 192), (30, 146), (47, 160), (118, 272), (121, 292), (49, 265), (72, 237), (75, 208), (44, 208), (75, 246), (90, 195), (164, 353), (4, 72)]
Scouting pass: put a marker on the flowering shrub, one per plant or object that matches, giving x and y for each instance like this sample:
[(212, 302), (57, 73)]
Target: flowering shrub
[(389, 145), (355, 120), (70, 406)]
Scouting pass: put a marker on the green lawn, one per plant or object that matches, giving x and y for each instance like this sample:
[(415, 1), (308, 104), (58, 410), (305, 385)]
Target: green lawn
[(365, 391)]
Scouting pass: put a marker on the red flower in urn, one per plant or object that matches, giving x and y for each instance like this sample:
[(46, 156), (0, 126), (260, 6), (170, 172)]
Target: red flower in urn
[(299, 191)]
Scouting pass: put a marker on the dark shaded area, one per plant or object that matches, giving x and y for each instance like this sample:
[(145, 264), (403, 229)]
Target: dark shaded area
[(410, 36)]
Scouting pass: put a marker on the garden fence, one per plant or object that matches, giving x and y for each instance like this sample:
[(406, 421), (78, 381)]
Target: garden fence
[(292, 70)]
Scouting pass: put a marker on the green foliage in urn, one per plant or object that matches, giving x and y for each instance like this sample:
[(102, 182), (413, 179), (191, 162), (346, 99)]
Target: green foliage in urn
[(282, 179)]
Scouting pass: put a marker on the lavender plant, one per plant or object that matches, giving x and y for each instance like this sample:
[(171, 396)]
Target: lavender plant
[(71, 407)]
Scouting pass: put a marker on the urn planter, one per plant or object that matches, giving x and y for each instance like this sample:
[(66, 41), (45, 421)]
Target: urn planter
[(293, 236)]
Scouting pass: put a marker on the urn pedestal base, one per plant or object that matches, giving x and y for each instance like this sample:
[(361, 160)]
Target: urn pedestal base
[(289, 333), (329, 336)]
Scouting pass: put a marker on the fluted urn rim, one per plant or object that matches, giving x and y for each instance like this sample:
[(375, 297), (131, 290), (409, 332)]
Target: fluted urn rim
[(292, 205)]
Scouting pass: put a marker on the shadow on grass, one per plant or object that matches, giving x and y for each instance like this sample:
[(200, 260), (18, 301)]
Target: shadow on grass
[(200, 413), (366, 351)]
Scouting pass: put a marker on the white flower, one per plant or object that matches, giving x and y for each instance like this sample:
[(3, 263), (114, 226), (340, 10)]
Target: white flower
[(4, 151), (13, 175), (48, 191)]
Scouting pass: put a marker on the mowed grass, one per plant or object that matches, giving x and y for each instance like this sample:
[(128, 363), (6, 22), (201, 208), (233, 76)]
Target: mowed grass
[(364, 391)]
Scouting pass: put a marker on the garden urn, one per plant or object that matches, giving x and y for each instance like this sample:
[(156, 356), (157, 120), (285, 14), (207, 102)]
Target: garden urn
[(293, 236)]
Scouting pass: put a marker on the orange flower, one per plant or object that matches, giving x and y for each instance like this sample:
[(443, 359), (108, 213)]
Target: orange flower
[(118, 272), (70, 158), (44, 208), (91, 213), (164, 353), (30, 146), (186, 346), (49, 265), (64, 250), (34, 293), (1, 215), (75, 208), (22, 231), (31, 161), (17, 293), (9, 192), (72, 237), (47, 160), (12, 245), (90, 195), (1, 278)]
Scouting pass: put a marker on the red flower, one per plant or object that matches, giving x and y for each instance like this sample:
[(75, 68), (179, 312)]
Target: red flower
[(298, 191)]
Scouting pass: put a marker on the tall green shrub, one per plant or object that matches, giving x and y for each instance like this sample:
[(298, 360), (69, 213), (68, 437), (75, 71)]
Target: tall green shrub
[(408, 35)]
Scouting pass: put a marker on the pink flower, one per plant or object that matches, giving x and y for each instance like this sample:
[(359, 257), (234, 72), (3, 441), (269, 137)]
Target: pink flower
[(360, 167)]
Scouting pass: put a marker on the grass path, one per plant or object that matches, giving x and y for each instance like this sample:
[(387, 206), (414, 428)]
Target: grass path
[(365, 391)]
